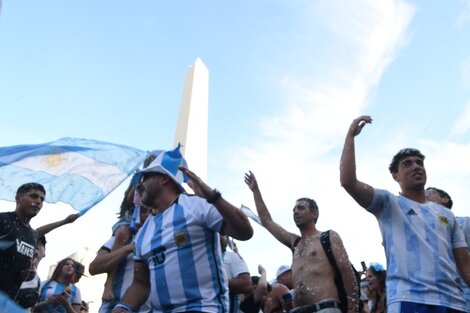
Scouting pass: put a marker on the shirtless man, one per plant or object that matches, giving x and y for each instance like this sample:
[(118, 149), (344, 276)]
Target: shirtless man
[(312, 274)]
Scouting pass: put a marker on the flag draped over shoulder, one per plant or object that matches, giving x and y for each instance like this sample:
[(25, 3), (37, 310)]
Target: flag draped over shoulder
[(80, 172)]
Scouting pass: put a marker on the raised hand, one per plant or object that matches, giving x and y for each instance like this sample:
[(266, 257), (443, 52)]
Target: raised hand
[(199, 187), (250, 180), (359, 123), (71, 218)]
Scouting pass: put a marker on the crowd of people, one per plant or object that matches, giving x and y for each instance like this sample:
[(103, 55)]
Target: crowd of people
[(173, 252)]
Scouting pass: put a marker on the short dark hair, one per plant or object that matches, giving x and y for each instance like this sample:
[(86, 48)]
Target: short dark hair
[(443, 194), (403, 153), (28, 187), (312, 205)]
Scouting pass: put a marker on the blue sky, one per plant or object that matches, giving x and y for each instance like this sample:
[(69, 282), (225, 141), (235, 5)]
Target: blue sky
[(286, 80)]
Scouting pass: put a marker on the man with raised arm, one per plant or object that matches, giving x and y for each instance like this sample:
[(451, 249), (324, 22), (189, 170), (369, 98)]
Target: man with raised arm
[(312, 274), (424, 245), (18, 239), (177, 254)]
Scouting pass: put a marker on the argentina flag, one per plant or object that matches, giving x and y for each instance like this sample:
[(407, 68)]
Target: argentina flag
[(79, 172)]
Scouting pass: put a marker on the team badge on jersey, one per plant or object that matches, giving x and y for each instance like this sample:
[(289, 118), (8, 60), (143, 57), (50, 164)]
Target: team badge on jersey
[(443, 219), (181, 238)]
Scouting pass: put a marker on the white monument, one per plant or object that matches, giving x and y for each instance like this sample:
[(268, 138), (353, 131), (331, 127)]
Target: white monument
[(191, 129), (191, 132)]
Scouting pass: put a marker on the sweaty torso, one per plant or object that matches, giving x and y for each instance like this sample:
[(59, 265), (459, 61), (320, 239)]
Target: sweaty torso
[(311, 272)]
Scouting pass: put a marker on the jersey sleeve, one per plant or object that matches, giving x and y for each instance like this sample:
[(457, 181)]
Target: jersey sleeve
[(379, 201), (238, 265), (457, 236)]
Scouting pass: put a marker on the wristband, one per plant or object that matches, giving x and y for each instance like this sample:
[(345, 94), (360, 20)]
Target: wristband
[(124, 306), (215, 197)]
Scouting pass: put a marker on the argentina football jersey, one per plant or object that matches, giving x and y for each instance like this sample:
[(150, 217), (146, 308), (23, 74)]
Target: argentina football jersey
[(181, 248), (418, 239), (122, 280)]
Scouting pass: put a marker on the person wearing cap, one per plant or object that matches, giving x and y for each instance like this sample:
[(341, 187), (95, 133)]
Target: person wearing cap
[(19, 239), (284, 276), (177, 255), (312, 274), (424, 245)]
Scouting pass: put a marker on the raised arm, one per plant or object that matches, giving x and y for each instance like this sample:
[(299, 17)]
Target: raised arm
[(262, 286), (51, 226), (360, 191), (105, 261), (346, 271), (275, 229), (236, 223)]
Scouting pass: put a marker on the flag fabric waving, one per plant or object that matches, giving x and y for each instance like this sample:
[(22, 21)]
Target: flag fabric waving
[(248, 212), (80, 172)]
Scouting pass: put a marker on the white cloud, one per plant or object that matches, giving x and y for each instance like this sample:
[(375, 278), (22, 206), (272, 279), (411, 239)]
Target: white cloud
[(296, 154)]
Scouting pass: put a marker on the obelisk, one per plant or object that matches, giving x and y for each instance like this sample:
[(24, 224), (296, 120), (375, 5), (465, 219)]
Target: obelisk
[(191, 129)]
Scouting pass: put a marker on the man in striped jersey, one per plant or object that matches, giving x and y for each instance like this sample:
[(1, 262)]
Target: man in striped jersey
[(177, 257), (424, 246)]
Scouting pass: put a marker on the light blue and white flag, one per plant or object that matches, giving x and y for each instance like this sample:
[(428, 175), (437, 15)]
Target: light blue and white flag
[(248, 212), (80, 172)]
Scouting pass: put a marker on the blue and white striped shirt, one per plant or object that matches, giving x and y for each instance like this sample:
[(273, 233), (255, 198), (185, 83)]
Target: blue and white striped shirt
[(182, 250), (52, 287), (122, 280), (418, 239)]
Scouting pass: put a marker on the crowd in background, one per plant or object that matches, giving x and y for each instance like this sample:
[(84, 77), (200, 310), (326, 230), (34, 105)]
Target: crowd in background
[(168, 249)]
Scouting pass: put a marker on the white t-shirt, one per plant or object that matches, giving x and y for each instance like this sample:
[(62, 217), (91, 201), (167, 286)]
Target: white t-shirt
[(234, 265)]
